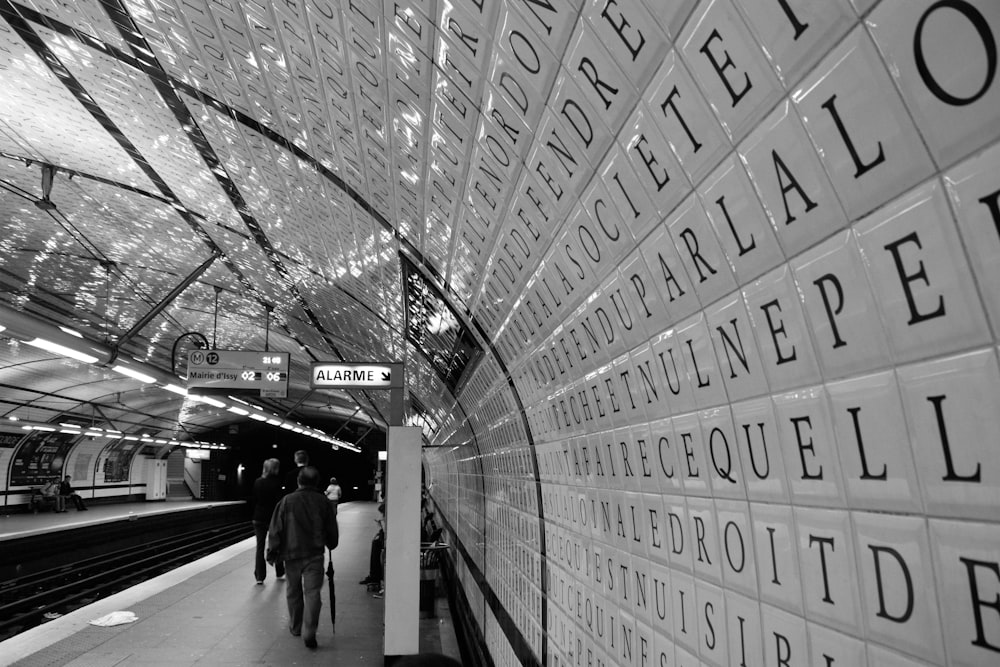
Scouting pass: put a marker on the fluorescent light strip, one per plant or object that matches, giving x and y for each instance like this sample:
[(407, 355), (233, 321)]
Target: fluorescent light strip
[(132, 373), (238, 411), (176, 389), (62, 350), (260, 418), (208, 400)]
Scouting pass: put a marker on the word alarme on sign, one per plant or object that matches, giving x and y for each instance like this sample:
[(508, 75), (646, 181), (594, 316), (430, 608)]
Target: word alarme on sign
[(356, 375)]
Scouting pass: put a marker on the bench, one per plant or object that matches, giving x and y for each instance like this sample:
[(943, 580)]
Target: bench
[(39, 501)]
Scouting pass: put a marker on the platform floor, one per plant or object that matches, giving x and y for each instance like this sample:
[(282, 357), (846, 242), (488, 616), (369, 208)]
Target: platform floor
[(211, 612)]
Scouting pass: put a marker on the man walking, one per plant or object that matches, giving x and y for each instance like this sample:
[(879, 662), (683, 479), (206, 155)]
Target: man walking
[(303, 525)]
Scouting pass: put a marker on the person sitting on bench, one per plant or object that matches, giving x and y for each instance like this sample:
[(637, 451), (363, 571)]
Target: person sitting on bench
[(51, 490), (66, 491)]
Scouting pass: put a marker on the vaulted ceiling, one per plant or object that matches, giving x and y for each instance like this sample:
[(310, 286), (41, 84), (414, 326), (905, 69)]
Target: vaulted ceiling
[(287, 176)]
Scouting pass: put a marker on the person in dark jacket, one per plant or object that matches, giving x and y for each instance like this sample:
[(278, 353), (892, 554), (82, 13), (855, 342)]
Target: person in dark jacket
[(66, 491), (302, 527), (266, 494)]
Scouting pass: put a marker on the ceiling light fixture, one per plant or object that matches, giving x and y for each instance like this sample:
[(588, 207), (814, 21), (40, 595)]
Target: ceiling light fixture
[(61, 350), (132, 373)]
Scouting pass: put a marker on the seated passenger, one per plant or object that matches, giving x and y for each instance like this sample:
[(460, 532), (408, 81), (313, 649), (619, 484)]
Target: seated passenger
[(66, 491), (51, 490)]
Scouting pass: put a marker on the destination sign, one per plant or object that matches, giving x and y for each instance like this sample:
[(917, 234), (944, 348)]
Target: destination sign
[(239, 369), (356, 376)]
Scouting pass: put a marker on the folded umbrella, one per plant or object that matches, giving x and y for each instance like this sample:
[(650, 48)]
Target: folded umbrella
[(333, 592)]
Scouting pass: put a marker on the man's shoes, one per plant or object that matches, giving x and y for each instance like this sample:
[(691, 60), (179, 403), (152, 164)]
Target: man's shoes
[(260, 582), (366, 581), (311, 643), (295, 633), (380, 593)]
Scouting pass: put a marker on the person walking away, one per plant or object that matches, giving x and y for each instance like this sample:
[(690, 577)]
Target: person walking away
[(66, 491), (292, 478), (301, 528), (266, 494), (333, 494), (51, 490)]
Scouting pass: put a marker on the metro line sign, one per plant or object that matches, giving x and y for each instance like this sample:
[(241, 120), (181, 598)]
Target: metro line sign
[(239, 370), (355, 376)]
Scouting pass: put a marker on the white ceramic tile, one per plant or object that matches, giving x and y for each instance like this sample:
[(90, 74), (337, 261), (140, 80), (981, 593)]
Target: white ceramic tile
[(722, 453), (685, 119), (645, 642), (793, 187), (713, 645), (736, 552), (655, 523), (671, 17), (829, 647), (649, 387), (605, 224), (628, 202), (785, 638), (739, 220), (760, 451), (663, 649), (669, 355), (700, 252), (553, 27), (967, 567), (839, 304), (692, 462), (729, 65), (974, 187), (944, 58), (670, 278), (663, 183), (826, 555), (607, 88), (703, 532), (776, 553), (684, 658), (743, 626), (736, 348), (687, 618), (953, 409), (901, 606), (631, 35), (926, 294), (875, 454), (781, 331), (630, 398), (667, 463), (660, 591), (809, 448), (883, 657), (795, 34), (863, 134), (679, 539)]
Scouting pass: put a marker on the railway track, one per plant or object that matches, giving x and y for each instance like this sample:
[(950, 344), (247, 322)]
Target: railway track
[(32, 599)]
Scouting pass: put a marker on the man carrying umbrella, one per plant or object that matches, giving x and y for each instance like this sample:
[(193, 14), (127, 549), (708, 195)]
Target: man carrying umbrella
[(302, 527)]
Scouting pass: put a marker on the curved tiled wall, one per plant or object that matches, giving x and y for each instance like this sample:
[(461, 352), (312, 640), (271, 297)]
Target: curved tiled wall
[(746, 289)]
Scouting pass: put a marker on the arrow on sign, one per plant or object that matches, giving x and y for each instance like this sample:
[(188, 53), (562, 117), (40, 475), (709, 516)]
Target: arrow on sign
[(386, 375)]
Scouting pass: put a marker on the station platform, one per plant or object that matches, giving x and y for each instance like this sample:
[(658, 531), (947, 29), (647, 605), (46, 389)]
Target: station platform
[(26, 524), (211, 612)]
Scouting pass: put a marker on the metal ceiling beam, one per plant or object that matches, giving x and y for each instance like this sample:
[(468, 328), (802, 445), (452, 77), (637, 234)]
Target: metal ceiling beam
[(164, 302)]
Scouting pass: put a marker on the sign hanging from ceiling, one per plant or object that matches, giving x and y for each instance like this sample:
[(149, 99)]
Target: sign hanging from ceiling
[(239, 370), (356, 376)]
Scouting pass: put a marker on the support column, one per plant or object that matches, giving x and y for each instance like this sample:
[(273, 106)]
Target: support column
[(402, 547)]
